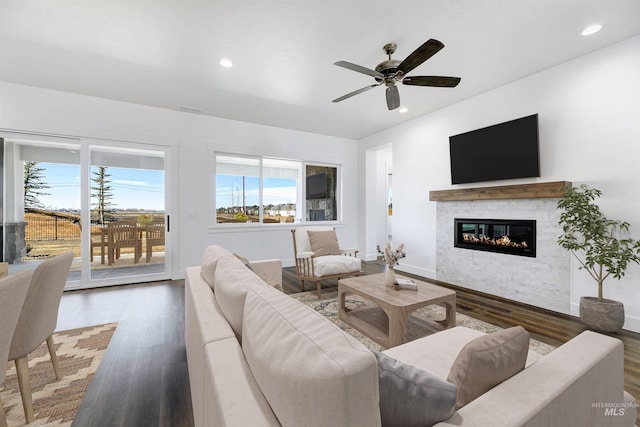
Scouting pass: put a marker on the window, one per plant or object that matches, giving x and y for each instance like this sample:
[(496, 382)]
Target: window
[(268, 190), (237, 189), (321, 184)]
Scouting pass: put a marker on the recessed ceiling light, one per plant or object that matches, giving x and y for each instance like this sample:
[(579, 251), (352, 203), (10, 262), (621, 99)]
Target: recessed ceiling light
[(403, 110), (226, 62), (591, 29)]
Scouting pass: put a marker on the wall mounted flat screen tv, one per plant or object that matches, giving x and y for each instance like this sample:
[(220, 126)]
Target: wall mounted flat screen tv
[(507, 150), (317, 186)]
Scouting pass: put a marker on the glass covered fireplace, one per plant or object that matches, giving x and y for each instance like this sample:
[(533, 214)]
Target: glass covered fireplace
[(508, 236)]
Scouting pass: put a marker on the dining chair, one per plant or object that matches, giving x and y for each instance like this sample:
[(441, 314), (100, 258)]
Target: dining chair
[(13, 290), (99, 239), (124, 234), (37, 321), (154, 237)]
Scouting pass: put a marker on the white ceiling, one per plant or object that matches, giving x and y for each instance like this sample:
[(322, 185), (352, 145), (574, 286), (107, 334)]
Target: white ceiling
[(166, 53)]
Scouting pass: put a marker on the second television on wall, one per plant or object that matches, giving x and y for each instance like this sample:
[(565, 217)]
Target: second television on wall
[(507, 150), (317, 186)]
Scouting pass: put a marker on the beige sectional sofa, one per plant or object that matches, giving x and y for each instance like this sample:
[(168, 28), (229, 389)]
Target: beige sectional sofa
[(258, 357)]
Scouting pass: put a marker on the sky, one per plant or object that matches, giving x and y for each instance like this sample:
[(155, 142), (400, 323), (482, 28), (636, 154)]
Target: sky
[(131, 188)]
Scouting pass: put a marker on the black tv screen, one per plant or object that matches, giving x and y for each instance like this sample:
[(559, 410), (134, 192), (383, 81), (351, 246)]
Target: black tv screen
[(317, 186), (507, 150)]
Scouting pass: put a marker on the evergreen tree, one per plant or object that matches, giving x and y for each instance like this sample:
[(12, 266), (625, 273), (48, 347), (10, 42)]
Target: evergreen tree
[(102, 192), (33, 185)]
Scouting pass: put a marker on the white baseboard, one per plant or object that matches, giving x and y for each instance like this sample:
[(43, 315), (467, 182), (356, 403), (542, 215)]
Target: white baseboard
[(370, 257), (419, 271)]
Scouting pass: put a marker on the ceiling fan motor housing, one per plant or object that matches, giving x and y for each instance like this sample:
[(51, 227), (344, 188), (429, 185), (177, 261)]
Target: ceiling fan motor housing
[(389, 69)]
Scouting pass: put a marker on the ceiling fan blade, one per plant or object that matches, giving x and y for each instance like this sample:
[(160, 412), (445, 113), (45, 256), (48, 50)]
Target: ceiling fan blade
[(421, 54), (437, 81), (355, 92), (358, 68), (393, 97)]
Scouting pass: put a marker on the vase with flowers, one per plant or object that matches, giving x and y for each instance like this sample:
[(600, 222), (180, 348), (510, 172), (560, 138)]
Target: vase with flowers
[(391, 258)]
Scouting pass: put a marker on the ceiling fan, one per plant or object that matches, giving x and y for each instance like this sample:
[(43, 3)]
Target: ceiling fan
[(392, 71)]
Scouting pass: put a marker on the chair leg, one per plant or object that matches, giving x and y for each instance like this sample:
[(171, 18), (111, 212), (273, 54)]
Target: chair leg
[(22, 369), (301, 285), (3, 419), (319, 287), (54, 357)]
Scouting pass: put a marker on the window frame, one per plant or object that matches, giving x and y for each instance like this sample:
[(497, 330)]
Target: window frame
[(301, 214)]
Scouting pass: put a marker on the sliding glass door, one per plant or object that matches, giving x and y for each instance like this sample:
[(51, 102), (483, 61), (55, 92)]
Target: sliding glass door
[(129, 222), (105, 202)]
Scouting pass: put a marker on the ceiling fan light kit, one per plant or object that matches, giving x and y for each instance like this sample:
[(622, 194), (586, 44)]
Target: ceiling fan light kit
[(392, 71)]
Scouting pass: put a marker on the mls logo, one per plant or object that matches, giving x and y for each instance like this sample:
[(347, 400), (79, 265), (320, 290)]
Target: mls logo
[(614, 412)]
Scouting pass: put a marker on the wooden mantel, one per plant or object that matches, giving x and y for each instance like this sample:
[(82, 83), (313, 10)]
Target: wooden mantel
[(522, 191)]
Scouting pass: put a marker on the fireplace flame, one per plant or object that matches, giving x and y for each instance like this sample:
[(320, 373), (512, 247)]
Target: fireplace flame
[(502, 241)]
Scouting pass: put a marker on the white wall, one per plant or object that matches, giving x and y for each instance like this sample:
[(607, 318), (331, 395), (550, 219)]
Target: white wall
[(30, 109), (378, 162), (589, 133)]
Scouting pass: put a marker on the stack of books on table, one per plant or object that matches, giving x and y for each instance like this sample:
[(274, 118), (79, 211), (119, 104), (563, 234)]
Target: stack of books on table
[(406, 284)]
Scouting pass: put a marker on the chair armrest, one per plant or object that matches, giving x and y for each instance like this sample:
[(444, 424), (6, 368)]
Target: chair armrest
[(269, 270), (349, 252), (302, 255)]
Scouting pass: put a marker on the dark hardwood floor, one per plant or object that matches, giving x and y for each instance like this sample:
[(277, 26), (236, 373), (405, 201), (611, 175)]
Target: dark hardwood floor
[(143, 377)]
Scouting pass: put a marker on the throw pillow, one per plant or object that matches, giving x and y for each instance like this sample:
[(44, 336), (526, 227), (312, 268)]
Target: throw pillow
[(324, 242), (487, 361), (410, 396), (210, 258)]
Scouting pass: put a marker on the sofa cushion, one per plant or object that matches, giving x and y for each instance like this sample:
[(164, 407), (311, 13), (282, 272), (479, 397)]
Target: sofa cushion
[(311, 372), (487, 361), (232, 280), (209, 260), (436, 352), (203, 323), (335, 264), (232, 396), (244, 260), (324, 242), (270, 270), (412, 397)]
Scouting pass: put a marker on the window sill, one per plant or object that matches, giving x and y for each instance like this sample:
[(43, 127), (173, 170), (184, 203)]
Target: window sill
[(260, 227)]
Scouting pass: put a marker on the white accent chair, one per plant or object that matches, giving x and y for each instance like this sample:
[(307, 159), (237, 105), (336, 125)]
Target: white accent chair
[(315, 268)]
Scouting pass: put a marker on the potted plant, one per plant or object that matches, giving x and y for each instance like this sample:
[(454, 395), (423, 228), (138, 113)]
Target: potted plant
[(599, 245)]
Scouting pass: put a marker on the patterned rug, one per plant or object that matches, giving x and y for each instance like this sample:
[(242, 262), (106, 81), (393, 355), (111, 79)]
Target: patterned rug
[(328, 307), (55, 403)]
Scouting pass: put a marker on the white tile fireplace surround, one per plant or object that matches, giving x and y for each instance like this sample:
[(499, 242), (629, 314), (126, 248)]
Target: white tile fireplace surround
[(542, 281)]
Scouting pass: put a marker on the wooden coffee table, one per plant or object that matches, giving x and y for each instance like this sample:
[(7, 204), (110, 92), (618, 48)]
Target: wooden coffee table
[(394, 305)]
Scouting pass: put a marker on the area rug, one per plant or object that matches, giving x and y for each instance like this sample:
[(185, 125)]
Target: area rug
[(55, 403), (328, 307)]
